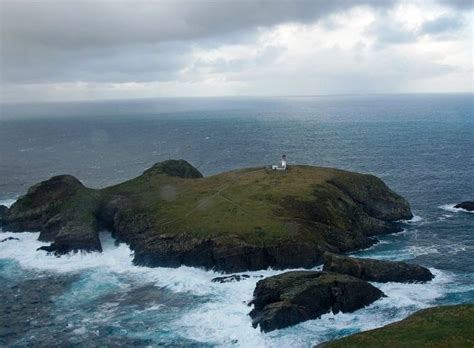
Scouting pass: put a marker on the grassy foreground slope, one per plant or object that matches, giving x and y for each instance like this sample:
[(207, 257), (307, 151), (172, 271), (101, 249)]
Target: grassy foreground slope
[(446, 326)]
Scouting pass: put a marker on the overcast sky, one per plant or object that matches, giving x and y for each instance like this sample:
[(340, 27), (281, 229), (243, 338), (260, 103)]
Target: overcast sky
[(107, 49)]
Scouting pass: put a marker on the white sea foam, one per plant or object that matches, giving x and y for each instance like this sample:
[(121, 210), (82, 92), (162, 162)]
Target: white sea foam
[(223, 320), (7, 202), (445, 216), (450, 208), (414, 219)]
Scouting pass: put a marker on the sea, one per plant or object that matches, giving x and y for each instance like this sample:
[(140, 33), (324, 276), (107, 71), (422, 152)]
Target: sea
[(421, 145)]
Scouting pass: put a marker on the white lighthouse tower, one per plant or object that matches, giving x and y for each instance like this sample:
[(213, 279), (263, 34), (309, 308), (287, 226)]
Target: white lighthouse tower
[(283, 162)]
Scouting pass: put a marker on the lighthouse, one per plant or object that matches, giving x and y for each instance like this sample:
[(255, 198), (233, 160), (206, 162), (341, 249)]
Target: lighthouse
[(283, 162), (282, 166)]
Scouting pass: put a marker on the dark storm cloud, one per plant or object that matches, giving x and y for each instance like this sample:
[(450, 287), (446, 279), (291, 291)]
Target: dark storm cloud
[(115, 41), (87, 23)]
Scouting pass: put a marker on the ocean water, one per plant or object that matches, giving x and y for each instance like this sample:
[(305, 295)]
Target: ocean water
[(420, 145)]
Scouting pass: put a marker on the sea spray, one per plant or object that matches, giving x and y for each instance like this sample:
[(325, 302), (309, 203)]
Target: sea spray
[(219, 313)]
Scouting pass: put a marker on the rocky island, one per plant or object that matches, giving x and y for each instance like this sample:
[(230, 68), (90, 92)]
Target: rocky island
[(466, 205), (247, 219)]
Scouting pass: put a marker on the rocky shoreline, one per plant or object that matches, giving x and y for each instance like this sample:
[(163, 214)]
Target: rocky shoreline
[(243, 220), (292, 297)]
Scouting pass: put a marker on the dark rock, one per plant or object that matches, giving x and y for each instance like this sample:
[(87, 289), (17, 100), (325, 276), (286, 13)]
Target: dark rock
[(9, 238), (224, 255), (376, 270), (231, 278), (3, 212), (467, 205), (63, 210), (293, 297)]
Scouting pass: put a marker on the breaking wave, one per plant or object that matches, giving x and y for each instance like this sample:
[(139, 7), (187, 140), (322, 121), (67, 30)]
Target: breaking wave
[(450, 207), (220, 316)]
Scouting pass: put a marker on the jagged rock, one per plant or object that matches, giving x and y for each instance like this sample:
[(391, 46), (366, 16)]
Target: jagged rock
[(230, 279), (376, 270), (467, 205), (292, 297), (247, 219)]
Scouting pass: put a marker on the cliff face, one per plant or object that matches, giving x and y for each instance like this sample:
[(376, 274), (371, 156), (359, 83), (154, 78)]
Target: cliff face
[(246, 219)]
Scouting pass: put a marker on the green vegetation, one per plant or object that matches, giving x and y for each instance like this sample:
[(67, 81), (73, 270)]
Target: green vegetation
[(256, 205), (448, 326)]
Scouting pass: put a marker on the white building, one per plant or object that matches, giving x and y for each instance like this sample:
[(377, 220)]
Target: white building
[(283, 164)]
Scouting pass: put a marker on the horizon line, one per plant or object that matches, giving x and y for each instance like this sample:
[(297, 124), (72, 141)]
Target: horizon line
[(233, 96)]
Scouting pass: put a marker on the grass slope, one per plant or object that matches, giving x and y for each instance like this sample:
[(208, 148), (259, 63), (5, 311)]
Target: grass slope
[(255, 205), (446, 326)]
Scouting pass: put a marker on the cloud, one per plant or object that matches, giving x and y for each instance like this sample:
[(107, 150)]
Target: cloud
[(123, 40), (442, 24), (106, 49), (87, 23), (460, 4)]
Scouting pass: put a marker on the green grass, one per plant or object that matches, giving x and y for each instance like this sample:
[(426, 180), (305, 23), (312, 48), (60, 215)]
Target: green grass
[(245, 204), (255, 205), (447, 326)]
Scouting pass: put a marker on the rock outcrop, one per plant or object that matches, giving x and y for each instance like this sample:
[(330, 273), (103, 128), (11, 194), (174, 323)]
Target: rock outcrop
[(292, 297), (376, 270), (246, 219), (63, 210), (3, 212), (467, 205)]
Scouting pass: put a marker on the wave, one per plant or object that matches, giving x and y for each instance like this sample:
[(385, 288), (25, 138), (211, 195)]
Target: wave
[(450, 207), (221, 319), (414, 219), (224, 321), (8, 202)]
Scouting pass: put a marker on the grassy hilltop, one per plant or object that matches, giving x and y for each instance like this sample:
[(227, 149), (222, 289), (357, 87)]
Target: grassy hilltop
[(251, 218)]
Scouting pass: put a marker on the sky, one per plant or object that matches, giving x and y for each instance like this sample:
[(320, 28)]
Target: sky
[(118, 49)]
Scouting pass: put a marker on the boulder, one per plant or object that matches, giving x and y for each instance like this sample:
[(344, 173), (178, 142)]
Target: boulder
[(467, 205), (376, 270), (292, 297)]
